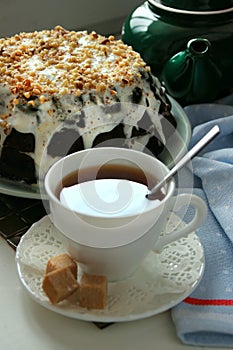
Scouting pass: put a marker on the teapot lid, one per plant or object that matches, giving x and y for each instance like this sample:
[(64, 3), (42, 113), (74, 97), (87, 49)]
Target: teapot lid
[(196, 6)]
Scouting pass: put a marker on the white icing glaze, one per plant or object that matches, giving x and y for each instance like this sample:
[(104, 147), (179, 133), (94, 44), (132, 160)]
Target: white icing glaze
[(96, 121), (49, 117)]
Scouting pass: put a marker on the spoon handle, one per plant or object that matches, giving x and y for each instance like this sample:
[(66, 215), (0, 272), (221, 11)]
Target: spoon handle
[(188, 156)]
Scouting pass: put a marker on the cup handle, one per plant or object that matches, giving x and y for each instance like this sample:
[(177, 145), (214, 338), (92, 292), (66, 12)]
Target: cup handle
[(176, 203)]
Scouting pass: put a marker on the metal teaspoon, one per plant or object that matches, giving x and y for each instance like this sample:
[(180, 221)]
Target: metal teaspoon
[(183, 161)]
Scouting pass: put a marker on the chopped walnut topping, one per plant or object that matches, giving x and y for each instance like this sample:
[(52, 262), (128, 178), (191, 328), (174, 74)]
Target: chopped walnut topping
[(59, 61), (31, 103), (27, 94)]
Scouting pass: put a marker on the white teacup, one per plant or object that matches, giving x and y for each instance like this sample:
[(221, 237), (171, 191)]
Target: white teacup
[(116, 245)]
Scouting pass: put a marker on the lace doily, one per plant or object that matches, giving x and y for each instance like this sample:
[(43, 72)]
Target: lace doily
[(162, 281)]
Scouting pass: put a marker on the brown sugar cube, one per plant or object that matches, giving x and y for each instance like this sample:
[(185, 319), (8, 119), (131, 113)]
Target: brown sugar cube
[(59, 284), (59, 261), (74, 297), (93, 291)]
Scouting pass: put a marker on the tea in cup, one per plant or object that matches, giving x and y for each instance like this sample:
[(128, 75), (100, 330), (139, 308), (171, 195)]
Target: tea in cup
[(112, 237)]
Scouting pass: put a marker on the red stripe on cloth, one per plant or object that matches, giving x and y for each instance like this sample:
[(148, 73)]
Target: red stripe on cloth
[(206, 302)]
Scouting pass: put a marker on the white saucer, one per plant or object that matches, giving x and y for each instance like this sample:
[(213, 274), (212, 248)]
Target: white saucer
[(161, 282)]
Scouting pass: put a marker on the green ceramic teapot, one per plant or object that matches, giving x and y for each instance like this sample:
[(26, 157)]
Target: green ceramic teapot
[(188, 45)]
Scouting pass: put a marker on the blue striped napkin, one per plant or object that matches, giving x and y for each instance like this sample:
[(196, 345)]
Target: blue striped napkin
[(205, 318)]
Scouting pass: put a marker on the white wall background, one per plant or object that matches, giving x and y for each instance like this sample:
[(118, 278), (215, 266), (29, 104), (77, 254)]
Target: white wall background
[(29, 15)]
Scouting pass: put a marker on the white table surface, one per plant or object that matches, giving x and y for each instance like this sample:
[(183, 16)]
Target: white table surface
[(27, 325)]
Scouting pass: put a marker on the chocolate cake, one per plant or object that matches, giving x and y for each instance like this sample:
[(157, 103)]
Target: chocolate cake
[(63, 91)]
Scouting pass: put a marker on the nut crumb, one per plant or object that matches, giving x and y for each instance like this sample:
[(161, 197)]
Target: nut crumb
[(62, 51)]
